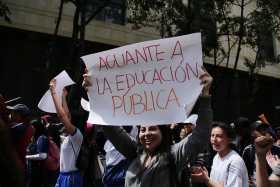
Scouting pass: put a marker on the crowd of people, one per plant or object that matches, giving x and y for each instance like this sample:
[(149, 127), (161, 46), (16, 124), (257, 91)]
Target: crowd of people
[(49, 150)]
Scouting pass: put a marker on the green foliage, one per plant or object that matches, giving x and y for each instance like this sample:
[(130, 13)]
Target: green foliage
[(261, 23), (173, 17), (214, 19)]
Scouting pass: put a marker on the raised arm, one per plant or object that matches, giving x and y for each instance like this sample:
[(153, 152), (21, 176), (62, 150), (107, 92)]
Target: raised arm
[(116, 135), (263, 145), (189, 147), (62, 114), (64, 103), (121, 141)]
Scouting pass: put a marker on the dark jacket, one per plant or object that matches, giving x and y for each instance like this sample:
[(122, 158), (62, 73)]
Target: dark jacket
[(249, 158)]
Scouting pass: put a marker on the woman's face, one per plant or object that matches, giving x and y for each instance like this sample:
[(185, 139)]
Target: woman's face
[(150, 137), (219, 140)]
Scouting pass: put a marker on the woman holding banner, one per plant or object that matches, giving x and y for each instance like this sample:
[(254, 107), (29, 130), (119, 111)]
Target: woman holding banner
[(154, 160)]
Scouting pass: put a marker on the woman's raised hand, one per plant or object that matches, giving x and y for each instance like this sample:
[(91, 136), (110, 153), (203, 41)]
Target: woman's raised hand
[(206, 81), (263, 145), (86, 80), (52, 85), (272, 160)]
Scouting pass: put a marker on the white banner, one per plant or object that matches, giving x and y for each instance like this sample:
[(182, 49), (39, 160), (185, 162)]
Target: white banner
[(46, 103), (148, 83), (85, 104)]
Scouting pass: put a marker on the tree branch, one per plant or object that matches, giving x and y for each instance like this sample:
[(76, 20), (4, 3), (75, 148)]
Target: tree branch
[(59, 17), (236, 4), (96, 12)]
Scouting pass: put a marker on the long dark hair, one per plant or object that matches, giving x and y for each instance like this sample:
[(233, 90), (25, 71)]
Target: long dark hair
[(166, 141)]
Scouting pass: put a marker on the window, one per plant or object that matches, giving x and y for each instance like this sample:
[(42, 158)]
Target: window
[(114, 12)]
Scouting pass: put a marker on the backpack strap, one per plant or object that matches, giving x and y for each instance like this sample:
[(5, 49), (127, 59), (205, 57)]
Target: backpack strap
[(252, 160), (228, 169), (73, 149)]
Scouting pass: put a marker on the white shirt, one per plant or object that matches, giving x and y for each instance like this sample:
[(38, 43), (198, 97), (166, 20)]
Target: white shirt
[(229, 170), (113, 157), (67, 155)]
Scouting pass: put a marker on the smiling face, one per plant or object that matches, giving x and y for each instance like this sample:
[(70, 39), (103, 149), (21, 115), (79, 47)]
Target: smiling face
[(219, 140), (150, 137)]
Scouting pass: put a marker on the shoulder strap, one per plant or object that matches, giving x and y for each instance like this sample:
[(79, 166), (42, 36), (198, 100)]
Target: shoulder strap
[(73, 149), (228, 168), (252, 160)]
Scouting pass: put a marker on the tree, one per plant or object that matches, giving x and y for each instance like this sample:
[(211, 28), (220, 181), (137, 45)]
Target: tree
[(216, 19), (176, 17), (225, 24), (5, 12), (85, 11), (262, 23)]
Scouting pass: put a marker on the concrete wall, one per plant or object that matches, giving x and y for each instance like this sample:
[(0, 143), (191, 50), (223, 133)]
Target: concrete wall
[(41, 15), (271, 69)]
